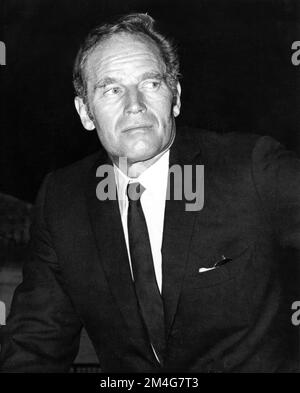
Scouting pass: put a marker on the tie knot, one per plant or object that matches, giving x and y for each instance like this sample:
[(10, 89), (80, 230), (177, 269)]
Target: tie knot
[(134, 191)]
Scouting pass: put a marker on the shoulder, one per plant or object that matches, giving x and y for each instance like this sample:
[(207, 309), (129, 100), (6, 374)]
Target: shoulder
[(219, 148), (77, 170), (65, 186), (232, 144), (236, 156)]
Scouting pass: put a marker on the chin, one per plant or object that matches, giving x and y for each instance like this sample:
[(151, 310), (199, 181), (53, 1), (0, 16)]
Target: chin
[(142, 152), (141, 156)]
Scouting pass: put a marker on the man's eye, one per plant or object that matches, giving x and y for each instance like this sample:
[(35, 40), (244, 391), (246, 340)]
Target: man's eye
[(152, 85), (112, 91)]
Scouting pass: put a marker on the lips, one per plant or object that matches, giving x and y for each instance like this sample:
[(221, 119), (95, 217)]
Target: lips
[(137, 127)]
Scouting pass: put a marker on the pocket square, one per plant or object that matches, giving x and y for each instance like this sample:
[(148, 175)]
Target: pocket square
[(220, 262), (206, 269)]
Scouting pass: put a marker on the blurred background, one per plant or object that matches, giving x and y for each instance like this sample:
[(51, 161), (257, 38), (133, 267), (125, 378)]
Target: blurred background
[(237, 75)]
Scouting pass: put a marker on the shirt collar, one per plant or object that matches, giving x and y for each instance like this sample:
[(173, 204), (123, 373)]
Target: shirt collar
[(154, 178)]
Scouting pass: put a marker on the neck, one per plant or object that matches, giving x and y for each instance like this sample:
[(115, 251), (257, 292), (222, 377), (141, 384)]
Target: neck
[(135, 169)]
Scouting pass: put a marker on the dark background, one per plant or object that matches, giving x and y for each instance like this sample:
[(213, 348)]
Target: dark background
[(235, 61)]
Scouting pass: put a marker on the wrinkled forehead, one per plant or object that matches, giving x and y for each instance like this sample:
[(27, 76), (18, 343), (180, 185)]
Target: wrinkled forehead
[(121, 49)]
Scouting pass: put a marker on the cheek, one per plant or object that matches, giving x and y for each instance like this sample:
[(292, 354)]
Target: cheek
[(165, 117), (162, 108), (105, 119)]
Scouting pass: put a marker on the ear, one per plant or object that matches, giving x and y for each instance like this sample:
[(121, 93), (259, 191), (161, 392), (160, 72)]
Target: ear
[(83, 113), (177, 105)]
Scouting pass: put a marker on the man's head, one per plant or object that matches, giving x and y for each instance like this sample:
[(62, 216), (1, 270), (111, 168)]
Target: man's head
[(126, 80)]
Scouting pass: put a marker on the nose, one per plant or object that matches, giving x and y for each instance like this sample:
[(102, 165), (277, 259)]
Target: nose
[(134, 102)]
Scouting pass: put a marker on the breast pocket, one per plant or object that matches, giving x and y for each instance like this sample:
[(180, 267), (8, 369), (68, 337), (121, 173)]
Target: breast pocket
[(204, 273)]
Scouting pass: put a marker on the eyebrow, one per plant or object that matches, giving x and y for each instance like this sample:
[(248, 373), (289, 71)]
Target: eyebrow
[(153, 75), (104, 82), (108, 80)]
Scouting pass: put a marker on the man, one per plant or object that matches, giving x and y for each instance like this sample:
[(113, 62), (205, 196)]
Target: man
[(157, 286)]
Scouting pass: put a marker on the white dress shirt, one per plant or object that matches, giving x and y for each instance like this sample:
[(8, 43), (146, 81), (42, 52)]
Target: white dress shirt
[(155, 180)]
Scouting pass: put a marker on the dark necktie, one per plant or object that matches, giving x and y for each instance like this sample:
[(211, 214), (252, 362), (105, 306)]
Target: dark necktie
[(145, 283)]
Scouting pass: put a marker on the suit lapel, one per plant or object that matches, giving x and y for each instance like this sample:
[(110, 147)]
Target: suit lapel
[(178, 229), (107, 227)]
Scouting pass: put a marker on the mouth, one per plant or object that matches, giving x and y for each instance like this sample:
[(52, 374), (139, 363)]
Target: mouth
[(140, 127)]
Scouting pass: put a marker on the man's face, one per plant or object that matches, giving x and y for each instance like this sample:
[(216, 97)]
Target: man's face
[(132, 107)]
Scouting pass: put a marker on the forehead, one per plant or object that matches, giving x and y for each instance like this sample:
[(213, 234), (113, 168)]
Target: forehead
[(124, 55)]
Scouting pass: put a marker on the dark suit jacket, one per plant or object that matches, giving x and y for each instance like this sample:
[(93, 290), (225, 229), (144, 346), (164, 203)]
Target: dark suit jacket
[(233, 318)]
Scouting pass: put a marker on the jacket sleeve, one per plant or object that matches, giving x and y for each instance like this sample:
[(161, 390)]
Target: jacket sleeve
[(276, 174), (43, 330)]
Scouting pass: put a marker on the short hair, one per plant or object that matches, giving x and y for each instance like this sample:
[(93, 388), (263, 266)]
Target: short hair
[(135, 24)]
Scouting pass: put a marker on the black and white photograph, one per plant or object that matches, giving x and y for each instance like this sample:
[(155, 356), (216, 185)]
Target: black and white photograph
[(149, 188)]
